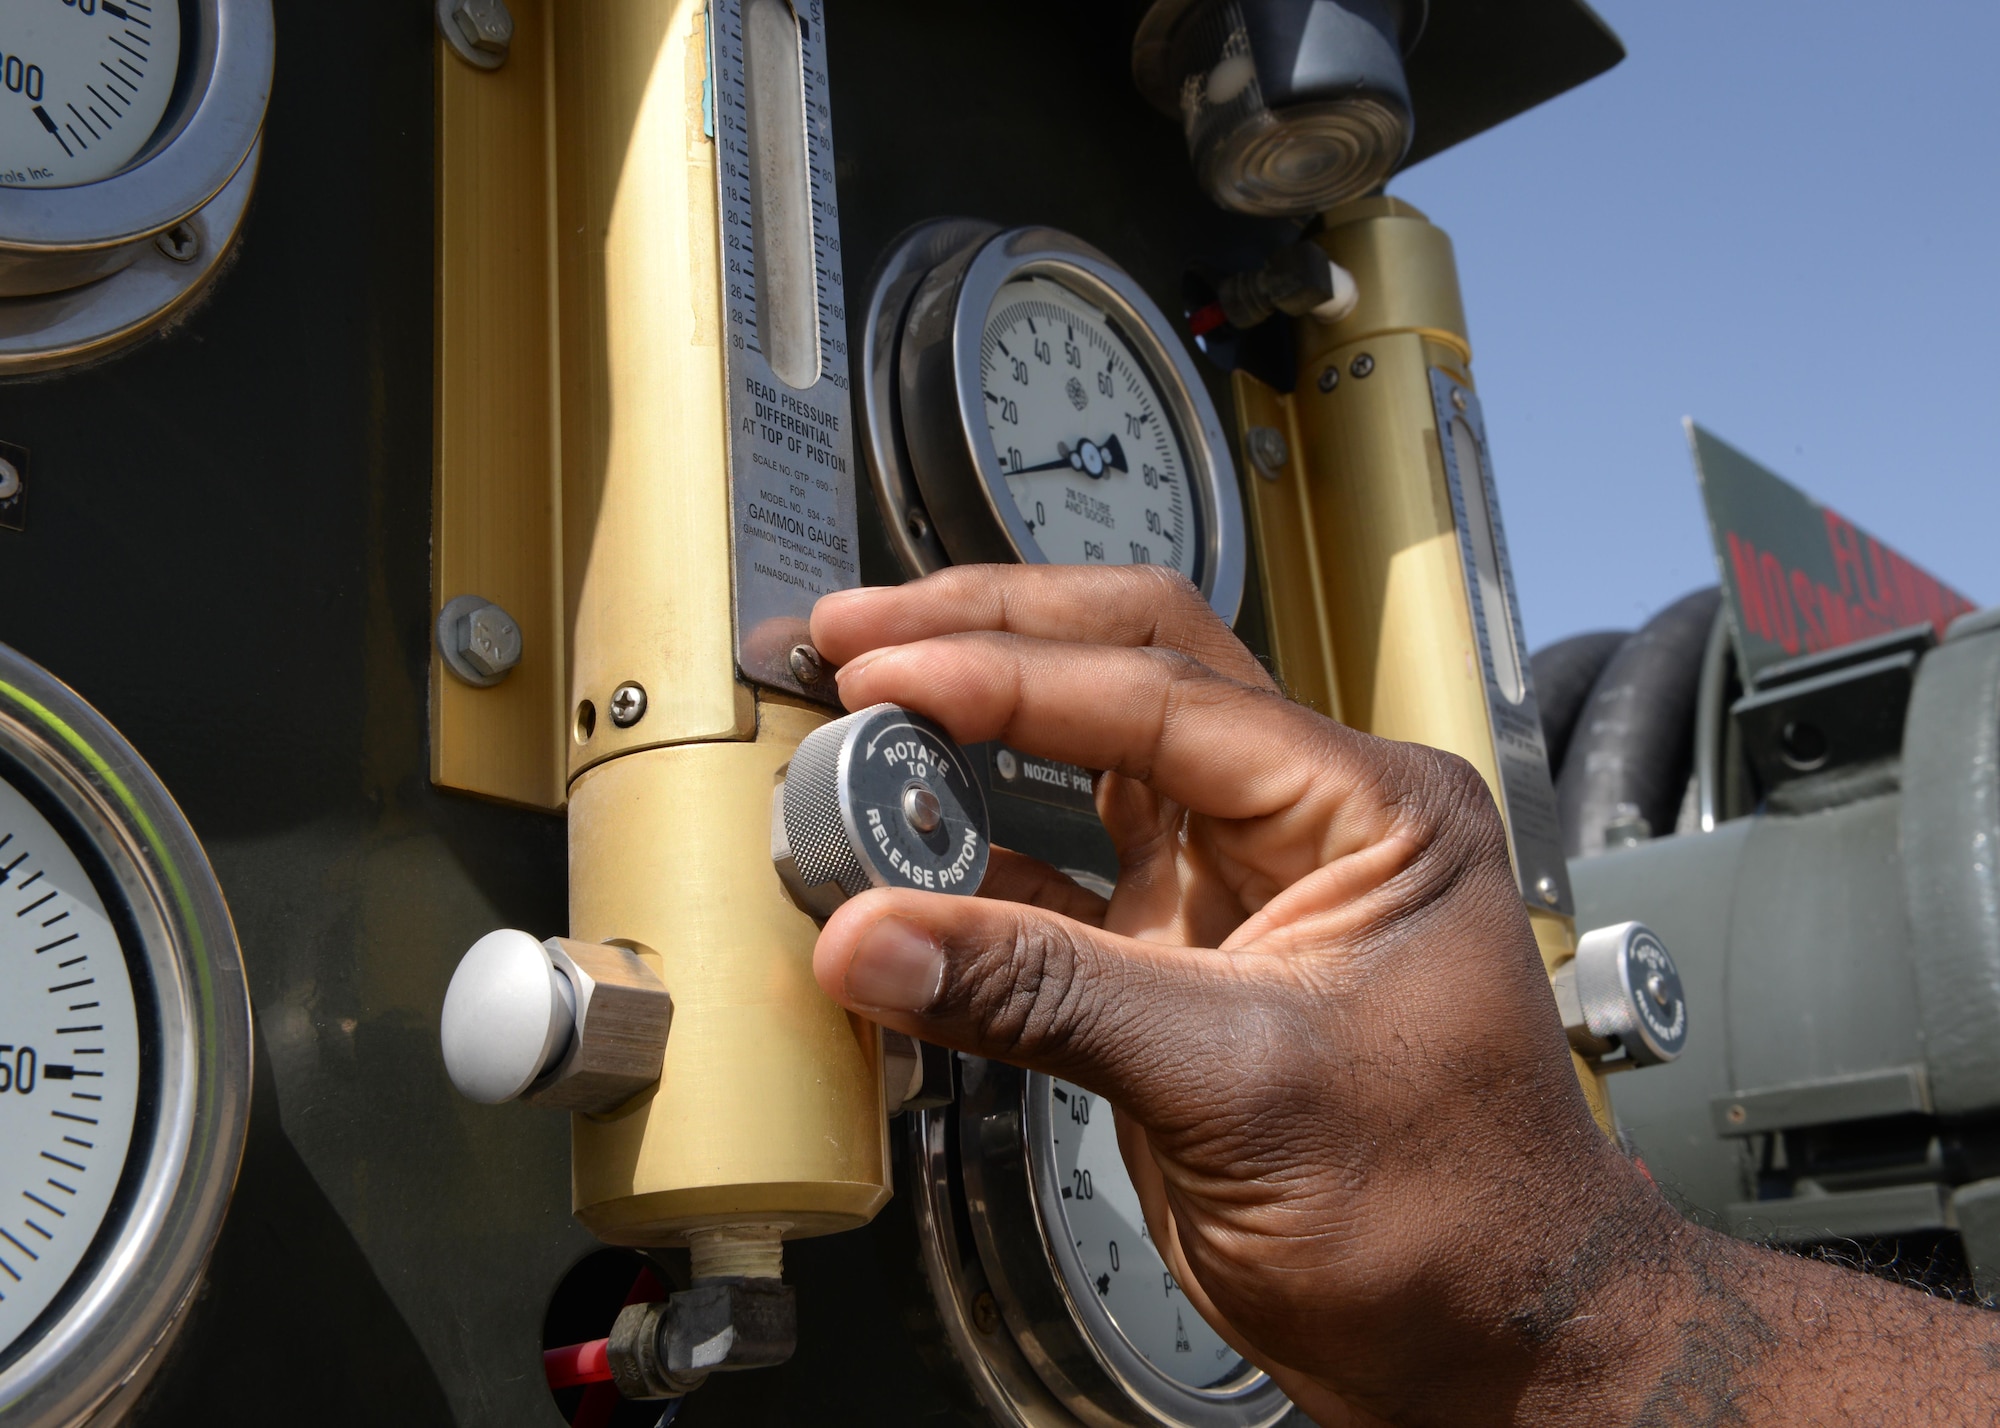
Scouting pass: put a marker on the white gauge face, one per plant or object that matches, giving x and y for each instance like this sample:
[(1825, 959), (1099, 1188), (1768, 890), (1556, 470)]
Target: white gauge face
[(83, 84), (69, 1062), (1083, 436), (1100, 1215)]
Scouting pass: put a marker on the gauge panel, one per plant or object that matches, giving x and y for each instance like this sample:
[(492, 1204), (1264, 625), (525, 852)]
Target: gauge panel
[(1027, 401), (124, 1057), (1101, 1221), (1114, 488), (1046, 1195), (83, 84), (69, 1062), (129, 137)]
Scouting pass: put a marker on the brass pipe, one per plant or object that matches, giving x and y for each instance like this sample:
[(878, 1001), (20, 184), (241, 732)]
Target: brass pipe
[(1372, 617), (768, 1118)]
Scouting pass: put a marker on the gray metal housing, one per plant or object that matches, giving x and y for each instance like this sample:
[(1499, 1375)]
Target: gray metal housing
[(1842, 967)]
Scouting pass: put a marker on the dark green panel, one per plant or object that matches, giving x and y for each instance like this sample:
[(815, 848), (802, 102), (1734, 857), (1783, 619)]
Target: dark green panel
[(228, 552)]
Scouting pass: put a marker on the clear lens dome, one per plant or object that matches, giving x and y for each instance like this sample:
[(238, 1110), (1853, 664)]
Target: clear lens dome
[(1288, 106), (1300, 160)]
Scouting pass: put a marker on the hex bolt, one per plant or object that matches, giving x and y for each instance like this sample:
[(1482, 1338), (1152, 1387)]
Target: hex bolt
[(481, 32), (180, 242), (479, 641), (806, 664), (1361, 366), (1268, 451), (486, 24), (491, 643), (921, 808), (1546, 890), (628, 704), (1329, 377), (1008, 765)]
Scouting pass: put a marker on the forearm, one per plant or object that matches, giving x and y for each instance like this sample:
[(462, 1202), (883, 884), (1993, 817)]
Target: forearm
[(1648, 1321), (1710, 1330)]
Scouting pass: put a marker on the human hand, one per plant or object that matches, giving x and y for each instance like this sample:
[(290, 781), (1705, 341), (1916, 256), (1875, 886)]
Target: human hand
[(1314, 997)]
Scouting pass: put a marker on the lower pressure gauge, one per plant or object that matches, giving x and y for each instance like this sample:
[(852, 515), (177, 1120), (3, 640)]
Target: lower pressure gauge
[(1052, 1290), (124, 1058), (1026, 401), (128, 146)]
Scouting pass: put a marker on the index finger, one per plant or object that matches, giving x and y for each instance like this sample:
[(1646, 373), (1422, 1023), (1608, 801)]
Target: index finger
[(1132, 605)]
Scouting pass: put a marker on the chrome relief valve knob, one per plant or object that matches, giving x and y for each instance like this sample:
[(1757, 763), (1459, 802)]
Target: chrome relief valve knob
[(1622, 992), (882, 798)]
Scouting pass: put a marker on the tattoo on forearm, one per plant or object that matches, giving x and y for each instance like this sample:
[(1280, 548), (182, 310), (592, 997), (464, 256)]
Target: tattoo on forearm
[(1719, 1347)]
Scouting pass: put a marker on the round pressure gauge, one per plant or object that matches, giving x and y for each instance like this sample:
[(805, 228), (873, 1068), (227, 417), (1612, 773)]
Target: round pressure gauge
[(124, 1058), (87, 83), (128, 144), (1027, 401), (1052, 1291)]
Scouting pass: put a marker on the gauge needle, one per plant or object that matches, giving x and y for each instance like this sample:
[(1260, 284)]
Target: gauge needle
[(1093, 458)]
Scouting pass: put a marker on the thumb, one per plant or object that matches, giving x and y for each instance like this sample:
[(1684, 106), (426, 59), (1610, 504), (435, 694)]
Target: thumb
[(1029, 987)]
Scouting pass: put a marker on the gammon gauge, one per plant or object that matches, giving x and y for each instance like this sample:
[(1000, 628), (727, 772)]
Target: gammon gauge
[(124, 1059), (1027, 401), (129, 132)]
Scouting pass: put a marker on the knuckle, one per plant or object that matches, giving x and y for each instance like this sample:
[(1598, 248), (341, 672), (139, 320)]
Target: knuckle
[(1447, 806), (1168, 585)]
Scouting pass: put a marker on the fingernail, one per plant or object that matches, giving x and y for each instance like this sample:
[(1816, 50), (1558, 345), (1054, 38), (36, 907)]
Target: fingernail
[(860, 662), (896, 967), (835, 595)]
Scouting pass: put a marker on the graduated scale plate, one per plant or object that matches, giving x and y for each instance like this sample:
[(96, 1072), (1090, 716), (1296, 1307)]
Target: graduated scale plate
[(791, 449)]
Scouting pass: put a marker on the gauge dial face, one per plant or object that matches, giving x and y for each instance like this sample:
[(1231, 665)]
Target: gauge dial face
[(83, 84), (1082, 436), (69, 1062), (1099, 1214)]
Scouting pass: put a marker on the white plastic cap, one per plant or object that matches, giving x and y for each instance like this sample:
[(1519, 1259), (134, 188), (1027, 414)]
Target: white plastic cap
[(508, 1017), (1346, 297)]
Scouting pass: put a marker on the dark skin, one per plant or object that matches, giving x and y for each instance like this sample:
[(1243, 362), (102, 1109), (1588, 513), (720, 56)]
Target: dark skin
[(1317, 1005)]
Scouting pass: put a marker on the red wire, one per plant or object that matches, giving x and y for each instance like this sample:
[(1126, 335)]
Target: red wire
[(578, 1364), (1204, 320)]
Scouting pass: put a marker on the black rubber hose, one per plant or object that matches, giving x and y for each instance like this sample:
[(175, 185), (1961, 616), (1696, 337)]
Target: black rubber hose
[(1634, 740), (1564, 675)]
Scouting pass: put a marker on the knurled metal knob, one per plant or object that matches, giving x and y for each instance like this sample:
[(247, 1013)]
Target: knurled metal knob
[(879, 799), (1622, 990)]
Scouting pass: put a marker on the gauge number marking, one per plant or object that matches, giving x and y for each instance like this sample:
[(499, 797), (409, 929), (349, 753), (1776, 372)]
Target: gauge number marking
[(83, 84), (69, 1062), (1100, 1215), (1079, 434)]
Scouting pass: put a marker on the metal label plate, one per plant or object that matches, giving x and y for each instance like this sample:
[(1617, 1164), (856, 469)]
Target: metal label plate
[(1527, 792), (1040, 780), (791, 448)]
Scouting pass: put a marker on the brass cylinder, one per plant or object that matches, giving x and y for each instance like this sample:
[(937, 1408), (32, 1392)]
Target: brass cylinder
[(769, 1108), (1401, 656), (769, 1115)]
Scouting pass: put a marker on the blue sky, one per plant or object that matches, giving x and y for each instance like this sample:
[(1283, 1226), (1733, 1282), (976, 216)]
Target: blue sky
[(1781, 217)]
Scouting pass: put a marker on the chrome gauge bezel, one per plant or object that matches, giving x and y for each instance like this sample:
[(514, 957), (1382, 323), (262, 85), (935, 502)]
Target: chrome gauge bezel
[(87, 267), (930, 453), (99, 1339), (1053, 1323)]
